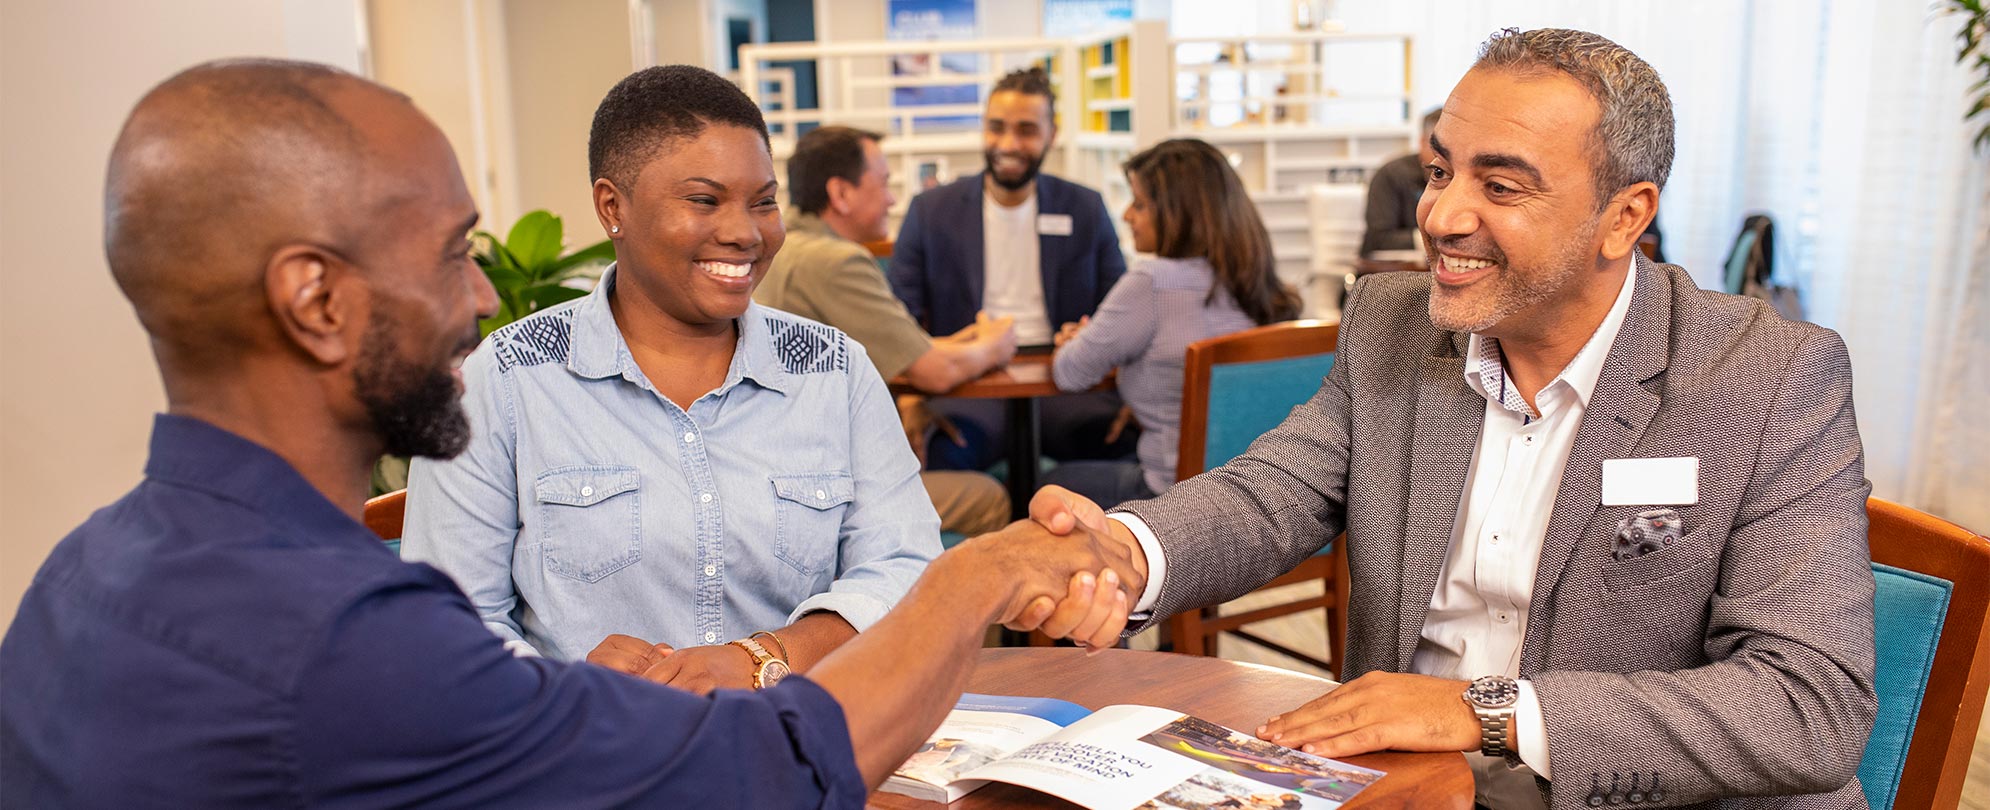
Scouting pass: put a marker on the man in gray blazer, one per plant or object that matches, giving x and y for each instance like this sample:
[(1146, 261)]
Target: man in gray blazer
[(1632, 510)]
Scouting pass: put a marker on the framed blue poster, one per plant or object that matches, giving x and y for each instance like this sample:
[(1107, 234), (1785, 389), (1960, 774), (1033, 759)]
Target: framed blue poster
[(935, 20)]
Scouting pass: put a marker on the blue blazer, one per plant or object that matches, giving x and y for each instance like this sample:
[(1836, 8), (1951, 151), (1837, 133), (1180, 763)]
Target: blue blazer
[(937, 263)]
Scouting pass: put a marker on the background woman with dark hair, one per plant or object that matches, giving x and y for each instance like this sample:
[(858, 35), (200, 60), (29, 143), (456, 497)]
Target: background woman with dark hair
[(1212, 275)]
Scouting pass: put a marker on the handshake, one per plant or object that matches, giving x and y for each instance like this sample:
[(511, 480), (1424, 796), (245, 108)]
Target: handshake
[(1074, 574), (1067, 571)]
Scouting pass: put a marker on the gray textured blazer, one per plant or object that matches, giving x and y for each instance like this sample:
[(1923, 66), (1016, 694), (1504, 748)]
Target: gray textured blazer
[(1737, 662)]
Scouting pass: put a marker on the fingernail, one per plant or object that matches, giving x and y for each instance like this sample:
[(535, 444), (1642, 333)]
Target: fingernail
[(1086, 581), (1111, 578)]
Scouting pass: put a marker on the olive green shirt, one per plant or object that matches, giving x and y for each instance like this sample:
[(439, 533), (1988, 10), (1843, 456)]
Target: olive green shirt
[(824, 277)]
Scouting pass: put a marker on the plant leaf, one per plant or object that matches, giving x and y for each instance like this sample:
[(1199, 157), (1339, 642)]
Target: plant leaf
[(535, 242), (600, 252), (547, 295)]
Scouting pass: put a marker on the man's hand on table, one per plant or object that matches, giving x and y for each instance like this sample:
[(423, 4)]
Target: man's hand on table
[(1380, 711), (694, 669)]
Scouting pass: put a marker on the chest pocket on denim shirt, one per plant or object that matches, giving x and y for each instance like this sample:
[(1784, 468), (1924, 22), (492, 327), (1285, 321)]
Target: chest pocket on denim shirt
[(590, 520), (808, 516)]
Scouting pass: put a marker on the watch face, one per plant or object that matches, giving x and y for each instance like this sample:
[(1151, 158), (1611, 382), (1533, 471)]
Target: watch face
[(772, 673), (1493, 692)]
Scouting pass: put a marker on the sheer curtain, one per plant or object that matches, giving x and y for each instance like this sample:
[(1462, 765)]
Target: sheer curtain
[(1842, 119)]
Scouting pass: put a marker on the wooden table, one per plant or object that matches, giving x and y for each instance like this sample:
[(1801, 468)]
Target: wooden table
[(1230, 693), (1019, 384)]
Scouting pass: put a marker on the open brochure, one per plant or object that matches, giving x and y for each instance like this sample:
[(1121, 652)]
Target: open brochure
[(1119, 758)]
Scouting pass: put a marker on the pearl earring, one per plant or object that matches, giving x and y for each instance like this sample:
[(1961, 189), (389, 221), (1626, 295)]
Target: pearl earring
[(614, 229)]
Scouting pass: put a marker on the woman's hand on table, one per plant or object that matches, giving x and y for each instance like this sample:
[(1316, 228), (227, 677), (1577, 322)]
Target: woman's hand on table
[(1070, 331), (699, 670), (693, 669)]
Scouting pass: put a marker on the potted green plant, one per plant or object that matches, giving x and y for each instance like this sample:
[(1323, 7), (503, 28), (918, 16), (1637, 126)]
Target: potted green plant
[(530, 273), (1970, 50)]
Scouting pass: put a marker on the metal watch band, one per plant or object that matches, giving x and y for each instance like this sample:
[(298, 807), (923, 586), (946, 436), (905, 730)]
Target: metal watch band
[(753, 648), (780, 646), (1495, 732)]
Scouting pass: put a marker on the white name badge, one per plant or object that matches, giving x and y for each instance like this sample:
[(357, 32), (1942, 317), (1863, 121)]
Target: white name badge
[(1053, 224), (1651, 481)]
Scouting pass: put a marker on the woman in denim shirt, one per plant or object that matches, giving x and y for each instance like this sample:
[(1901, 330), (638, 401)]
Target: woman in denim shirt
[(662, 460), (1212, 275)]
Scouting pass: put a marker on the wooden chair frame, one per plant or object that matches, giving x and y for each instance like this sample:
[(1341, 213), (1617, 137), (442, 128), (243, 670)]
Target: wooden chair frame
[(1938, 754), (1195, 632), (385, 514)]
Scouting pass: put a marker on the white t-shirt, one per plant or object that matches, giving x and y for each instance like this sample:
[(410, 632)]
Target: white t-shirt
[(1012, 281)]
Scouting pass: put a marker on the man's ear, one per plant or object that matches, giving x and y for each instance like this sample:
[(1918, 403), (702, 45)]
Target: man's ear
[(1629, 213), (320, 303), (839, 191)]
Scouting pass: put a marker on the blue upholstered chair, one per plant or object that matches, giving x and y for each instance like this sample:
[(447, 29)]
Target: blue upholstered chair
[(384, 515), (1933, 596), (1235, 388)]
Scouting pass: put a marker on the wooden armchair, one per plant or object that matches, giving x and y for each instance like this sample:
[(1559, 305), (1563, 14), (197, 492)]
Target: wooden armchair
[(1930, 611), (1235, 388)]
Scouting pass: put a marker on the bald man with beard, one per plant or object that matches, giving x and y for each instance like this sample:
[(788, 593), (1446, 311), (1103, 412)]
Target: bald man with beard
[(229, 635)]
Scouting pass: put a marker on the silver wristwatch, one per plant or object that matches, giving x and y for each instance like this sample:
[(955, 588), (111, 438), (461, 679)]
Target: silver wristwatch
[(1492, 698)]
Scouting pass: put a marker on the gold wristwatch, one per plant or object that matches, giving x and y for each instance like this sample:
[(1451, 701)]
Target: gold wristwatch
[(768, 669)]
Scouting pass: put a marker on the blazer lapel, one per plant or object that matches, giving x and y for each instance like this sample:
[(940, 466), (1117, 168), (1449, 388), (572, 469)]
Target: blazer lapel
[(1619, 410), (974, 258), (1449, 416)]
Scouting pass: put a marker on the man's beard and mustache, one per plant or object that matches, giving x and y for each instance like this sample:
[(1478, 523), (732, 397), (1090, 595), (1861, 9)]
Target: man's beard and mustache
[(414, 408), (1030, 168), (1507, 290)]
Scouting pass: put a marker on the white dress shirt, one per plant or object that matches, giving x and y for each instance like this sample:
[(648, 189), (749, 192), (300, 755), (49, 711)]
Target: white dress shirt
[(1478, 612), (1012, 269)]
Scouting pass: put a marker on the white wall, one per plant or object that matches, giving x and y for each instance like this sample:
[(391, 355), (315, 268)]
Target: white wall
[(563, 58), (80, 386)]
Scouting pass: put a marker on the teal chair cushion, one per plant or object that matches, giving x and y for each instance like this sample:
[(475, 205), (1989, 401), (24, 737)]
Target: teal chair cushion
[(394, 546), (951, 539), (1247, 399), (1908, 611)]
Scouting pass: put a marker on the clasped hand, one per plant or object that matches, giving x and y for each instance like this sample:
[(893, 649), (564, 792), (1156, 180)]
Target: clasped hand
[(693, 669)]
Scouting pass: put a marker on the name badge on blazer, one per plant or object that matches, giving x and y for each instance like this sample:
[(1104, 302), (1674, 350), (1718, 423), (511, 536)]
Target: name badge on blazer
[(1651, 481), (1053, 224)]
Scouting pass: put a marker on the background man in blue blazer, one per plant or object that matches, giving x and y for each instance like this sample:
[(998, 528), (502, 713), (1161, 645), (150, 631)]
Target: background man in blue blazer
[(1013, 242)]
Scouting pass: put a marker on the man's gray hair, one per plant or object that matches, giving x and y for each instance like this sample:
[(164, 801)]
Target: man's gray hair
[(1633, 138)]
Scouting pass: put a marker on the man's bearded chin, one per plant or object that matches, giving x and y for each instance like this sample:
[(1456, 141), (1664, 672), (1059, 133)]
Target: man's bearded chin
[(1029, 174), (414, 409)]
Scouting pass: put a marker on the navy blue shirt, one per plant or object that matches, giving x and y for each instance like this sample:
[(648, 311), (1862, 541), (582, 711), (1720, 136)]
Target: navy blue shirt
[(223, 636)]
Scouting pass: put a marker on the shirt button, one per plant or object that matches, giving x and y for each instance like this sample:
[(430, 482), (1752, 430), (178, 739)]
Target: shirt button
[(586, 491), (690, 437), (1495, 539), (704, 497), (821, 496), (1503, 618), (1528, 440), (711, 638), (711, 570)]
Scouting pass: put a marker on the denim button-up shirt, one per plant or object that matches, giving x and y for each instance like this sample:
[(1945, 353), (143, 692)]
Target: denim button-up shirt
[(588, 503)]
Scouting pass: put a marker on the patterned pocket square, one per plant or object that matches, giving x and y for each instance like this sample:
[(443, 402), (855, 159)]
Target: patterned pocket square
[(1646, 532)]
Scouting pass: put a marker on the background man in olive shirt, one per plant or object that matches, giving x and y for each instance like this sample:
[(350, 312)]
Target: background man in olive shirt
[(838, 188)]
